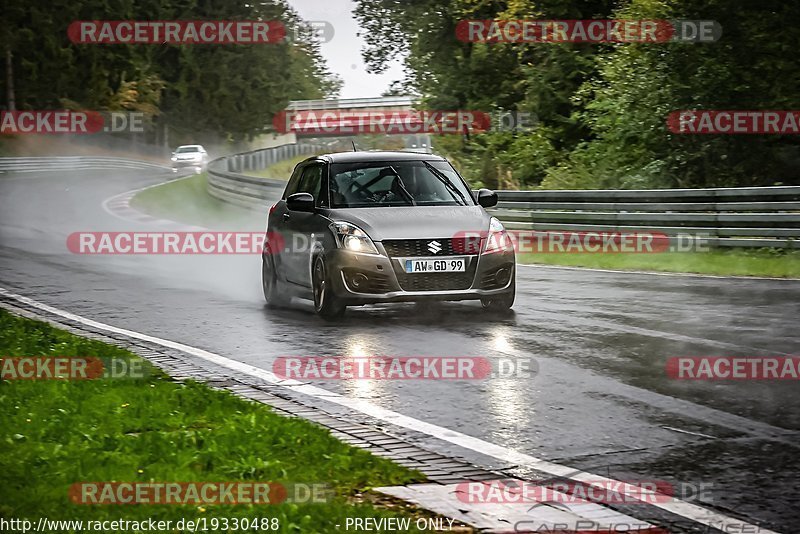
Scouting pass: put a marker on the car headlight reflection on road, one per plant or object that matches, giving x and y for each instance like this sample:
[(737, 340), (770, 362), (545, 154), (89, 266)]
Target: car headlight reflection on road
[(352, 238)]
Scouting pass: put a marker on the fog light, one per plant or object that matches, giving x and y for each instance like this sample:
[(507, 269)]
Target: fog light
[(358, 281), (502, 276)]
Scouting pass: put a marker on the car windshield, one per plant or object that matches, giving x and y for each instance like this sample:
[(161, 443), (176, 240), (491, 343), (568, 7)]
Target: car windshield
[(397, 183), (185, 149)]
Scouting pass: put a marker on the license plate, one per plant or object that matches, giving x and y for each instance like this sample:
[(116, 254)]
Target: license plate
[(444, 265)]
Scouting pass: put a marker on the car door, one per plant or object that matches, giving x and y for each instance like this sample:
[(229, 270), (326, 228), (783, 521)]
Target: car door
[(277, 226), (303, 229)]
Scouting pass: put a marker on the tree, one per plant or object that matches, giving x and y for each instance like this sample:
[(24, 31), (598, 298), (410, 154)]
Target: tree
[(206, 91), (601, 108)]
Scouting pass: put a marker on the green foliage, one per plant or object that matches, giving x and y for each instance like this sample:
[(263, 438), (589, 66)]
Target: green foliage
[(602, 108), (58, 432), (201, 91)]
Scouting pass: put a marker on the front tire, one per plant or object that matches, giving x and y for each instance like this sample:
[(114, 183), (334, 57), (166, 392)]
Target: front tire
[(326, 304), (500, 303)]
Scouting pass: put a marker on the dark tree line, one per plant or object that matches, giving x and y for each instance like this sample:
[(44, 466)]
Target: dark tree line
[(219, 91)]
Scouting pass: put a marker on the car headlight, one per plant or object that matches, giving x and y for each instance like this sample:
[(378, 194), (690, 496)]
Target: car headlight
[(498, 239), (174, 158), (351, 237)]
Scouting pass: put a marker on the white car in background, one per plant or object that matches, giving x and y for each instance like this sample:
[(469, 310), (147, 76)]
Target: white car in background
[(189, 156)]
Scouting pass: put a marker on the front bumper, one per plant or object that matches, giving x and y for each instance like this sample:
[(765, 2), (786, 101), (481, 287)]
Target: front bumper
[(182, 164), (383, 278)]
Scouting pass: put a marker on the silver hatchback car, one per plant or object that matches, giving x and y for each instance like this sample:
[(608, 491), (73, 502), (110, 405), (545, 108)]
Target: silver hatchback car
[(357, 228), (194, 156)]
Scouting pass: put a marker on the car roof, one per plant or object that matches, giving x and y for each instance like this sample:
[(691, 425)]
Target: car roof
[(367, 156), (191, 146)]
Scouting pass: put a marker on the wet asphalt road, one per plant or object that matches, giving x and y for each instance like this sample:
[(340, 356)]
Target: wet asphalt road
[(600, 401)]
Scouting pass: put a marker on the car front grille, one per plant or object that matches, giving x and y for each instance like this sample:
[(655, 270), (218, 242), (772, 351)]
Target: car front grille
[(378, 284), (437, 281), (410, 248), (459, 246)]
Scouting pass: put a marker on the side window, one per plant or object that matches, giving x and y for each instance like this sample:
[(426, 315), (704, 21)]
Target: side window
[(311, 182), (294, 181)]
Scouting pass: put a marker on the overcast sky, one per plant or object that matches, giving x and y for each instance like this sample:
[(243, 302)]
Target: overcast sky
[(343, 52)]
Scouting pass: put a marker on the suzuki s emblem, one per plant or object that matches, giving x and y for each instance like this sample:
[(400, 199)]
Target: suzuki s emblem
[(435, 247)]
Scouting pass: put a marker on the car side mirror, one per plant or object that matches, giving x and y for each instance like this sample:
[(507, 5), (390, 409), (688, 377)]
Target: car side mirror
[(300, 202), (487, 198)]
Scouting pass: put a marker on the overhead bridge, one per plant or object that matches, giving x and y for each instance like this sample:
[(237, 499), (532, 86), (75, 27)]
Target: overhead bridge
[(349, 117)]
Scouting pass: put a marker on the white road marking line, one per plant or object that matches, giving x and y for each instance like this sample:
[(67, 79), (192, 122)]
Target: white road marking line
[(681, 431), (684, 509), (121, 202)]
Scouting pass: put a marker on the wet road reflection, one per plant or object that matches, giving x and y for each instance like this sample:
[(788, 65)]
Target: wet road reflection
[(600, 396)]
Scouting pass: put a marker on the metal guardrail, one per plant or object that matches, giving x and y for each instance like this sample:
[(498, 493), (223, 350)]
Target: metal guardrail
[(227, 182), (722, 217), (69, 163)]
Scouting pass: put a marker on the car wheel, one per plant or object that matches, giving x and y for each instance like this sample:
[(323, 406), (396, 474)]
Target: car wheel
[(326, 304), (269, 282)]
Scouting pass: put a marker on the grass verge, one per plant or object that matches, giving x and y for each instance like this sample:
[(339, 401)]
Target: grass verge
[(775, 263), (187, 200), (58, 432)]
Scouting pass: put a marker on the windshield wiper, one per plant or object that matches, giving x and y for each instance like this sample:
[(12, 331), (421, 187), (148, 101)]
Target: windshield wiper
[(408, 195), (446, 181)]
